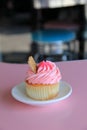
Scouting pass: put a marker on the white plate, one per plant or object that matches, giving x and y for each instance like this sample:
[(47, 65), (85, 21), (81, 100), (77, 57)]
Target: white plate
[(19, 93)]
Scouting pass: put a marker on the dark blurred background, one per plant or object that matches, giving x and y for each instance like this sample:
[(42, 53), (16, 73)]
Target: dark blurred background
[(18, 18)]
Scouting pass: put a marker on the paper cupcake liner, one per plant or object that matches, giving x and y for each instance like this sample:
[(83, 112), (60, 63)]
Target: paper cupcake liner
[(42, 92)]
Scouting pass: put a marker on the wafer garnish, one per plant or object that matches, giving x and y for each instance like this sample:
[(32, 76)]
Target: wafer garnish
[(32, 64)]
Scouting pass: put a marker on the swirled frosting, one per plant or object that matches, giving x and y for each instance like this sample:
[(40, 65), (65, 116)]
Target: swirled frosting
[(47, 73)]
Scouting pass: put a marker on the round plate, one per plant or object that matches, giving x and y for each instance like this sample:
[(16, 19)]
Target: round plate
[(19, 93)]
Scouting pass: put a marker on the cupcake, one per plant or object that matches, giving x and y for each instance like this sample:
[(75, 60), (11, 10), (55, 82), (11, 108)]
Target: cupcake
[(43, 79)]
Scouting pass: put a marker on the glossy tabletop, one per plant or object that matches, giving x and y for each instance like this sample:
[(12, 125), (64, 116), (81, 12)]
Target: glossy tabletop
[(69, 114)]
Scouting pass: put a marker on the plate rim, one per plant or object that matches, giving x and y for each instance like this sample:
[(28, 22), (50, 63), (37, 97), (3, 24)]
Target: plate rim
[(37, 102)]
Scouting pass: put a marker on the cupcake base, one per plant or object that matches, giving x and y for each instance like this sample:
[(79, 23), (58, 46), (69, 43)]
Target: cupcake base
[(42, 92)]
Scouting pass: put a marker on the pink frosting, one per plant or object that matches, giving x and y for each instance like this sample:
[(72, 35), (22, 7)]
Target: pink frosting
[(47, 73)]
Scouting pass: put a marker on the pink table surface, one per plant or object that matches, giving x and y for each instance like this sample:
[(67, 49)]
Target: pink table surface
[(69, 114)]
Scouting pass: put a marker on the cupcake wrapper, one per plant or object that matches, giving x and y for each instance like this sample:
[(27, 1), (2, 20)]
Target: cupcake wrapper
[(42, 92)]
